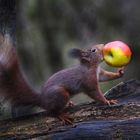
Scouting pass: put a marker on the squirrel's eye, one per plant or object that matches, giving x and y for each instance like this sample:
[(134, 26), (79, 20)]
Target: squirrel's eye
[(93, 50)]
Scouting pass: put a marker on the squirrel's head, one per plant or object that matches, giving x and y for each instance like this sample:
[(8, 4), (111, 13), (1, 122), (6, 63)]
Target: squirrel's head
[(92, 55)]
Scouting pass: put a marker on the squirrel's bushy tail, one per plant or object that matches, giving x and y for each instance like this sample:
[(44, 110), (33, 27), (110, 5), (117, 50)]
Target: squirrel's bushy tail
[(13, 85), (8, 55)]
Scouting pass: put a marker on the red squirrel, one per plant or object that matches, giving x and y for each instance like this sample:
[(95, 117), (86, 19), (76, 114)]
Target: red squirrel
[(57, 90)]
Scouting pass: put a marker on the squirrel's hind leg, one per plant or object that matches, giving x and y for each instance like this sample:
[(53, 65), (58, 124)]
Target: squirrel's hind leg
[(57, 98)]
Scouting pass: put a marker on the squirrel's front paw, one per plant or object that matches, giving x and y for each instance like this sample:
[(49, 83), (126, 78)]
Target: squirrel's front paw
[(120, 71), (109, 102)]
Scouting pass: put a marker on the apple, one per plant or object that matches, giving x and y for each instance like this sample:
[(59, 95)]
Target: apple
[(116, 53)]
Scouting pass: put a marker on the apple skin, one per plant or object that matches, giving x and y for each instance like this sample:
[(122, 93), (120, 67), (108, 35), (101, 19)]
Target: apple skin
[(117, 53)]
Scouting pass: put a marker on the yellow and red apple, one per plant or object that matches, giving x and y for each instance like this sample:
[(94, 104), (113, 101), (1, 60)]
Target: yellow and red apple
[(117, 53)]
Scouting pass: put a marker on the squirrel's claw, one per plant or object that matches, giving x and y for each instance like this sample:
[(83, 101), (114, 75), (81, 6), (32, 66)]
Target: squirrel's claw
[(109, 102), (70, 104), (66, 118), (121, 71)]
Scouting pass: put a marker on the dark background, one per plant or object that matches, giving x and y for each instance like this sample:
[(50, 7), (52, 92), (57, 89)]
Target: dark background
[(46, 29)]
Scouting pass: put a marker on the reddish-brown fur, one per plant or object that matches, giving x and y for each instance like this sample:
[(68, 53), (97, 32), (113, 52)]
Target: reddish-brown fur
[(58, 89)]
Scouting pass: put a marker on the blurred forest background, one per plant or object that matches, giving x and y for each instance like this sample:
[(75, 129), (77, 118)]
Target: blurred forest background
[(47, 29)]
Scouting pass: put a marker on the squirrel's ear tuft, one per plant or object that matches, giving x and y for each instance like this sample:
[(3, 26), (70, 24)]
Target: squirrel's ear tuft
[(75, 53)]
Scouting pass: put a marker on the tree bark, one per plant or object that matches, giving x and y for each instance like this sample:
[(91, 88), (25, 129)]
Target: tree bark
[(91, 120)]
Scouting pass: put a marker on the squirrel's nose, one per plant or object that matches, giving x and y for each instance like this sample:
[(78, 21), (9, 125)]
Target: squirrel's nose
[(100, 46)]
